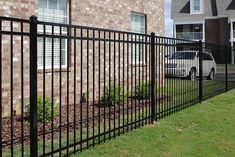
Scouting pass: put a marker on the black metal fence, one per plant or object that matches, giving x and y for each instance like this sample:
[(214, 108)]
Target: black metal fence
[(66, 88)]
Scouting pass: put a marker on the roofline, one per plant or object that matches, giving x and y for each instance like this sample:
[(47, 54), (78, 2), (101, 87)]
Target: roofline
[(201, 20)]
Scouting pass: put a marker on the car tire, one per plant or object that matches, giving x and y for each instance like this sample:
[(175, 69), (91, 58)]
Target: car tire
[(211, 75), (192, 74)]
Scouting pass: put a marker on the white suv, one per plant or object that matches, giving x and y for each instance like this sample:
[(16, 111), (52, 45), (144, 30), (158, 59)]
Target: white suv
[(186, 64)]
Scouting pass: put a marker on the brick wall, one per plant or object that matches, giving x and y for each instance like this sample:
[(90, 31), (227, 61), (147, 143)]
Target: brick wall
[(117, 14), (104, 14)]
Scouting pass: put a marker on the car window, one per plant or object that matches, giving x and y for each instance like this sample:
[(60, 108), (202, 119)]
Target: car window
[(183, 55), (206, 57), (210, 57)]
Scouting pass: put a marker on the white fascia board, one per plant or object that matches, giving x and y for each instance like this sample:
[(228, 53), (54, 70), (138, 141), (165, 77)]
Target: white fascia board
[(216, 17), (177, 22)]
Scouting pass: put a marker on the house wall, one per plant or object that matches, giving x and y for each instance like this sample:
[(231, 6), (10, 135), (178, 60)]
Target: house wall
[(217, 31), (97, 13), (212, 29), (116, 14), (105, 14), (177, 5)]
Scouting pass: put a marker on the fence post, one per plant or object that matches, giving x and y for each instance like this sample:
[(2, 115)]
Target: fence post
[(33, 87), (153, 83), (200, 73), (226, 68)]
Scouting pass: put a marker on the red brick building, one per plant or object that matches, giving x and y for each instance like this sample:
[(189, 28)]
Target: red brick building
[(132, 15)]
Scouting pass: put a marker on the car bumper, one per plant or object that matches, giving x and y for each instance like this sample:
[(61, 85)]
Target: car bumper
[(173, 72)]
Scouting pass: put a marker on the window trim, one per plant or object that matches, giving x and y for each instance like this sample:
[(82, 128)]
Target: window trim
[(192, 11)]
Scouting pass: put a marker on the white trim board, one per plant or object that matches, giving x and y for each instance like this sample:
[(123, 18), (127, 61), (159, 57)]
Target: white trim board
[(189, 22)]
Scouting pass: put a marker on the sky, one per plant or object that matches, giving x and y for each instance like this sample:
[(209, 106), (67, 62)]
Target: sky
[(168, 21)]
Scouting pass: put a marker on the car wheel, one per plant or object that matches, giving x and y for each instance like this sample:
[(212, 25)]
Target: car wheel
[(211, 75), (192, 75)]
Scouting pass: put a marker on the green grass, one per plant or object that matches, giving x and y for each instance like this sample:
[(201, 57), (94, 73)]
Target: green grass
[(183, 90), (204, 130), (223, 65)]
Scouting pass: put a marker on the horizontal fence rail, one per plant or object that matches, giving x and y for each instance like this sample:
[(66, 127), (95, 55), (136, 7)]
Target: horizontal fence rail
[(66, 88)]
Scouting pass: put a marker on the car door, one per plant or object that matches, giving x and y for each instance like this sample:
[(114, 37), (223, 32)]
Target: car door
[(211, 63), (206, 64)]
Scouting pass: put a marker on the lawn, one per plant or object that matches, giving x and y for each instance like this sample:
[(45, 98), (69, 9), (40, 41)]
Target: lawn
[(204, 130)]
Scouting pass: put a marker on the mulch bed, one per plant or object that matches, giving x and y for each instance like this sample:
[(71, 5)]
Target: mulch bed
[(91, 114)]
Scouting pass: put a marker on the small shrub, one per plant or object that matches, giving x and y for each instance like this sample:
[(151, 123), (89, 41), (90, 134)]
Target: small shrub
[(85, 97), (143, 90), (48, 109), (113, 94)]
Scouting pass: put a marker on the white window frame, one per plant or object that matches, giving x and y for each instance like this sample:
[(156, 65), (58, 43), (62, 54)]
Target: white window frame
[(192, 11), (135, 54), (232, 30), (56, 32)]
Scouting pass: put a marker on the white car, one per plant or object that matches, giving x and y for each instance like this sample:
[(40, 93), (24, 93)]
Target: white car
[(186, 64)]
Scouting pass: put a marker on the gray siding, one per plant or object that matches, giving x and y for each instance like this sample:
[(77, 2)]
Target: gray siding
[(222, 6), (177, 5)]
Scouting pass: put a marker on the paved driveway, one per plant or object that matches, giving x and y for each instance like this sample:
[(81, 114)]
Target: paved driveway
[(220, 75)]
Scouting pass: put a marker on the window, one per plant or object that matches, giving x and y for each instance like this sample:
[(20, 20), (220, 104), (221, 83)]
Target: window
[(183, 55), (196, 6), (137, 26), (48, 52), (233, 29), (206, 57), (55, 11), (138, 23)]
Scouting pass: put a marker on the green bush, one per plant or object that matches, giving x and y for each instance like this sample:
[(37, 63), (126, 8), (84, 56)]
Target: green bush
[(48, 108), (85, 97), (113, 94), (143, 90)]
